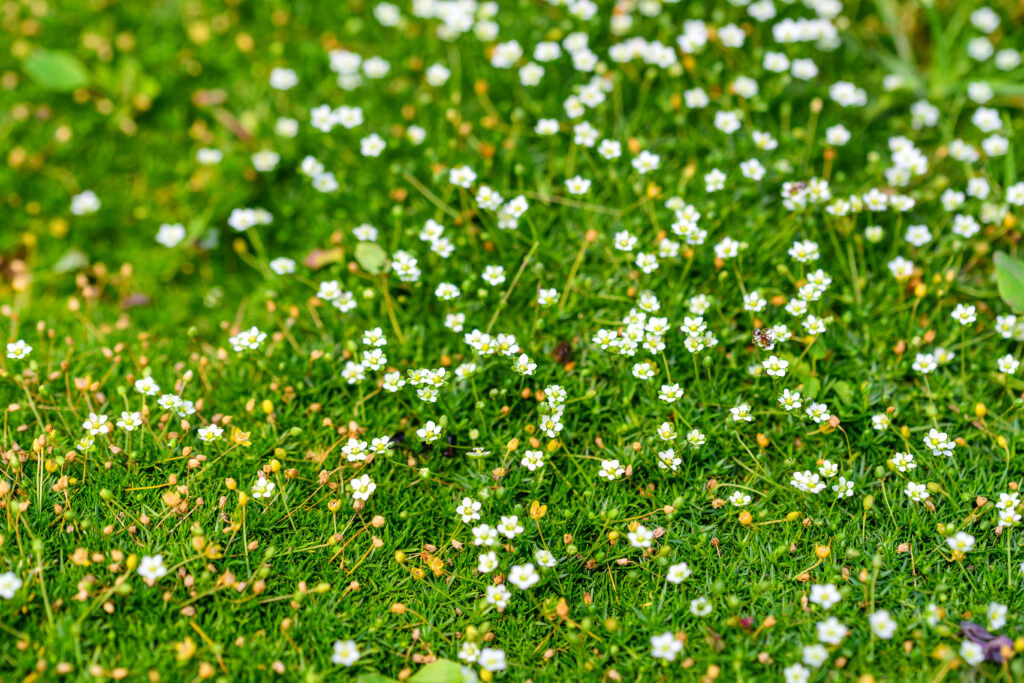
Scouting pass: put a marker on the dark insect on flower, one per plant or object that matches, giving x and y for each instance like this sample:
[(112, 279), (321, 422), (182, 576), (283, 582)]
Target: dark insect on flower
[(764, 339), (398, 437), (452, 441), (562, 353), (793, 189)]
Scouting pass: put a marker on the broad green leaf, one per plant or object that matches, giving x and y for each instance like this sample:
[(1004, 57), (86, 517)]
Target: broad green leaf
[(844, 391), (371, 257), (375, 678), (1010, 280), (441, 671), (56, 70), (812, 385), (73, 259)]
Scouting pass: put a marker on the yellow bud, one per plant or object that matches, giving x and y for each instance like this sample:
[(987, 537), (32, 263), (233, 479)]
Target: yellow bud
[(1001, 440), (920, 290), (822, 551), (334, 505), (793, 516), (275, 465), (399, 557), (132, 562), (905, 432), (231, 484), (243, 498), (746, 518), (267, 406), (980, 410)]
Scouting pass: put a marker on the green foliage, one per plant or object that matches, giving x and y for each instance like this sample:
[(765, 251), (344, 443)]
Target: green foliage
[(119, 99), (56, 70), (1010, 279)]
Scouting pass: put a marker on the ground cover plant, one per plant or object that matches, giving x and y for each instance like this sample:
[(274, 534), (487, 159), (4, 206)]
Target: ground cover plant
[(455, 340)]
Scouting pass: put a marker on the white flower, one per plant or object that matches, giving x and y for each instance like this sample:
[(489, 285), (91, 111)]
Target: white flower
[(818, 412), (346, 653), (996, 615), (523, 576), (498, 596), (843, 488), (492, 659), (207, 434), (263, 488), (677, 573), (170, 234), (283, 266), (796, 673), (208, 156), (85, 203), (544, 558), (485, 535), (487, 562), (739, 499), (18, 350), (437, 74), (645, 162), (283, 79), (151, 568), (825, 595), (265, 160), (965, 315), (831, 631), (665, 646), (362, 487), (775, 366), (97, 424), (916, 492), (246, 340), (462, 176), (372, 145), (509, 526), (610, 470), (9, 585), (971, 652), (577, 185), (701, 607), (469, 652), (532, 460), (641, 537), (741, 413), (814, 655), (1007, 364), (430, 432), (961, 541), (147, 386)]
